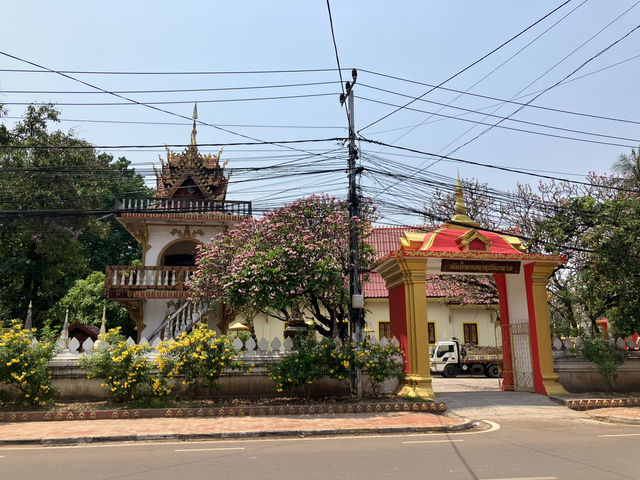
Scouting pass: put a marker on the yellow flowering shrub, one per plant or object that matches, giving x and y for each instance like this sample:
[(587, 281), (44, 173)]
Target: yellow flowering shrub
[(379, 362), (198, 357), (310, 360), (313, 359), (123, 368), (25, 364)]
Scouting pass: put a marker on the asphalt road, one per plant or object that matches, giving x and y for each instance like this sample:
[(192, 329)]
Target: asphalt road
[(512, 449), (521, 436)]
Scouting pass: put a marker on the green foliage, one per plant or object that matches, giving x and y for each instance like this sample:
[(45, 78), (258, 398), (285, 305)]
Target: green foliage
[(85, 301), (605, 355), (311, 360), (43, 255), (604, 280), (380, 363), (198, 357), (24, 364), (124, 369)]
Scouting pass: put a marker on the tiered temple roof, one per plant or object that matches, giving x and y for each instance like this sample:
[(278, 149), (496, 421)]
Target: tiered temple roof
[(190, 174)]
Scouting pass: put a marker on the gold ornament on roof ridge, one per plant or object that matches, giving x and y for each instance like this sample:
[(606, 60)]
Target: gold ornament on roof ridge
[(461, 219)]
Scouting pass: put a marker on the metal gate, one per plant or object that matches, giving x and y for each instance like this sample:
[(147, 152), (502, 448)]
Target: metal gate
[(520, 368)]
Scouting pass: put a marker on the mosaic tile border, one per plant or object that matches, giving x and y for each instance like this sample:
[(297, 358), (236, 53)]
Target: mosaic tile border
[(590, 404), (360, 408)]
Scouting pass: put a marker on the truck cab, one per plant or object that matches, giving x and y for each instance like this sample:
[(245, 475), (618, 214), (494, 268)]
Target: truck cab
[(446, 358)]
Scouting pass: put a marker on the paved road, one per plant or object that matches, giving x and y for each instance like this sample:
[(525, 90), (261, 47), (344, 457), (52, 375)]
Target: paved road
[(522, 436), (476, 397), (510, 449)]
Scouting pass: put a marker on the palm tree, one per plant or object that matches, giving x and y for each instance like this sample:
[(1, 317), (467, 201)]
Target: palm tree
[(628, 167)]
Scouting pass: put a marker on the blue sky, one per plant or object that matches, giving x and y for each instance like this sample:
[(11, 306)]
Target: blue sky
[(422, 41)]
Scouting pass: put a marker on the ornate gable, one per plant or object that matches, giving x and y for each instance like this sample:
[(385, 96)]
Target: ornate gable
[(190, 174), (473, 240)]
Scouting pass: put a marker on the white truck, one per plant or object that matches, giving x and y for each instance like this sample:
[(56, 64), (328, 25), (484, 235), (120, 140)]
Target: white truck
[(452, 358)]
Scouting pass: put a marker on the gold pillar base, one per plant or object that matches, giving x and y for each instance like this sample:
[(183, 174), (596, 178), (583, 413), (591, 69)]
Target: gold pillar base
[(552, 385), (417, 387)]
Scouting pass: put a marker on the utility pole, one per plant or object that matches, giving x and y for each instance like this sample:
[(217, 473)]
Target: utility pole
[(356, 299)]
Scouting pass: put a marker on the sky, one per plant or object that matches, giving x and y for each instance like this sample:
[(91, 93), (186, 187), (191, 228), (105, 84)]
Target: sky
[(287, 85)]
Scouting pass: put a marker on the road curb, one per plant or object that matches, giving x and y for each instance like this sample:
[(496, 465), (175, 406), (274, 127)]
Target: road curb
[(616, 419), (465, 425), (582, 404)]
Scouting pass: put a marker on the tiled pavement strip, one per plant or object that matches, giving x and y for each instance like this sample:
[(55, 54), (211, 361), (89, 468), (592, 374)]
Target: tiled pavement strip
[(85, 431), (79, 431)]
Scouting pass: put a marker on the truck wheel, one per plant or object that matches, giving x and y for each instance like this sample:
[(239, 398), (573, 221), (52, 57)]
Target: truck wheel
[(450, 371), (476, 369), (492, 371)]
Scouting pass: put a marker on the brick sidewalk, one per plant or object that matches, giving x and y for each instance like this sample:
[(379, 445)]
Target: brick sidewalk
[(229, 427)]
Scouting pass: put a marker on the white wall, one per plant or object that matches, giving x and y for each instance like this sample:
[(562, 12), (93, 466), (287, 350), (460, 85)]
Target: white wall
[(160, 236)]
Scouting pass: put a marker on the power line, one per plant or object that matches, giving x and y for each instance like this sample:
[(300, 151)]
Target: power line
[(469, 110), (468, 66), (205, 72), (133, 122), (174, 145), (335, 47), (152, 107), (513, 101), (486, 165), (494, 70), (491, 125), (176, 90), (582, 65), (174, 102)]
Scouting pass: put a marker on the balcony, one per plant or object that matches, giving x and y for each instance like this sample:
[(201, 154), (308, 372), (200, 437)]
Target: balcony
[(131, 282), (154, 206)]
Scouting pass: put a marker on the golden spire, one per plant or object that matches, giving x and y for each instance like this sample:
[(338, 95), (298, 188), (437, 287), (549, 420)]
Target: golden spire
[(461, 208), (195, 117), (103, 329), (460, 211)]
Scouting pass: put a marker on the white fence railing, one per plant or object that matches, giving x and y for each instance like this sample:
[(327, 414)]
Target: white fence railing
[(72, 349), (571, 346), (177, 205)]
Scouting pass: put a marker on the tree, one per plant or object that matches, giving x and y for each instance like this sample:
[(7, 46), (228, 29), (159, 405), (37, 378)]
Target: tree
[(85, 302), (44, 253), (606, 279), (293, 259), (628, 167)]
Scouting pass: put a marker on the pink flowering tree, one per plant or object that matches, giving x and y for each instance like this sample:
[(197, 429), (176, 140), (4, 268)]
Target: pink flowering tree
[(295, 259)]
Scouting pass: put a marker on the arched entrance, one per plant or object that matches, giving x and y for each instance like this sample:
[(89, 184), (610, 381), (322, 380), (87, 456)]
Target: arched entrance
[(461, 247), (181, 253)]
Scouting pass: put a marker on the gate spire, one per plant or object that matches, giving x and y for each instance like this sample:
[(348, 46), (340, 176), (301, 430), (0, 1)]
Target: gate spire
[(460, 218)]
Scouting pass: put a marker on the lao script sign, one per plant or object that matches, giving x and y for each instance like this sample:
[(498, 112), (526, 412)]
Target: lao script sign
[(479, 266)]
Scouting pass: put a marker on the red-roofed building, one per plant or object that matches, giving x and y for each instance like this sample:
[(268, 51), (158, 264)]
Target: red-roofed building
[(453, 310)]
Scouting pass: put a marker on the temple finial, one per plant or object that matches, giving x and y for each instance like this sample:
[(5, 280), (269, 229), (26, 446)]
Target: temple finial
[(103, 329), (195, 117), (460, 218), (461, 208)]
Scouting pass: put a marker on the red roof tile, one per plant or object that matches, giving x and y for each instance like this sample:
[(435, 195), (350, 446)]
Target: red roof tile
[(386, 240)]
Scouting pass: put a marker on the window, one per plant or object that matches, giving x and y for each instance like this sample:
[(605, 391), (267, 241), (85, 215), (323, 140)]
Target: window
[(442, 349), (431, 326), (470, 332), (384, 330)]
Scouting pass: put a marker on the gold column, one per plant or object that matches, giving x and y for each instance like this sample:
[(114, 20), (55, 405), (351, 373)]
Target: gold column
[(412, 273), (540, 279)]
